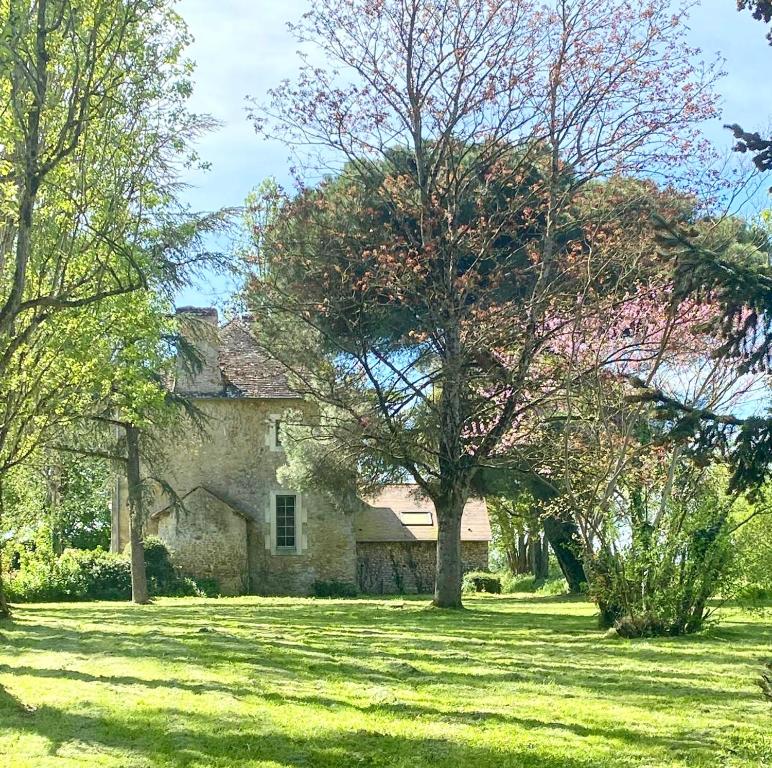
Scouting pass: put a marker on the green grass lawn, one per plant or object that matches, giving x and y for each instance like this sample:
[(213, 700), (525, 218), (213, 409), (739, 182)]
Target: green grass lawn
[(512, 681)]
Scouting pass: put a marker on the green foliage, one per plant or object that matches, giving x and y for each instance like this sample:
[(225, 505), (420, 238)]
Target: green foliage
[(510, 519), (74, 575), (200, 587), (554, 585), (753, 542), (82, 518), (58, 502), (94, 133), (161, 576), (481, 581), (334, 588), (98, 575), (661, 581)]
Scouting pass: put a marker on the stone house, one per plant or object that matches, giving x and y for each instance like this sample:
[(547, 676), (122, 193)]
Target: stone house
[(239, 526)]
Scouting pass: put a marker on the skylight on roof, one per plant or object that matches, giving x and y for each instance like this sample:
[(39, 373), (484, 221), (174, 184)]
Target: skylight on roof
[(416, 518)]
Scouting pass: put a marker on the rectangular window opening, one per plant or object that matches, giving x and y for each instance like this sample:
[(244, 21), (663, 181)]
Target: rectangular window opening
[(285, 523)]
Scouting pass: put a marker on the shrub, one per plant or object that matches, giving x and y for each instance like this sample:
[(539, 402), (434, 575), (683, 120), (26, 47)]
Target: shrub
[(98, 575), (557, 586), (334, 589), (482, 581), (185, 586), (512, 583), (661, 582), (161, 576), (75, 575), (752, 596), (205, 587)]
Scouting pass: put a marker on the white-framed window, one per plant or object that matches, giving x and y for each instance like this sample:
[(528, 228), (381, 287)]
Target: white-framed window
[(286, 517), (286, 522)]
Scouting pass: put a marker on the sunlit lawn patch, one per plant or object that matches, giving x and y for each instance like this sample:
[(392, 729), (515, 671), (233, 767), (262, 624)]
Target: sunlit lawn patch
[(290, 682)]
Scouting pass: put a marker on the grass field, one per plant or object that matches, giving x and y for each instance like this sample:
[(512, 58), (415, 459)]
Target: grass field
[(512, 681)]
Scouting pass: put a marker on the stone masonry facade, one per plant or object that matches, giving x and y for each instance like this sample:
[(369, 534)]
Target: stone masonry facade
[(385, 568), (225, 534)]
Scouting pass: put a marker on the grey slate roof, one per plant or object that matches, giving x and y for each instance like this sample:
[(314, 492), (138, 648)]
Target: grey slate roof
[(397, 513), (247, 370), (232, 362)]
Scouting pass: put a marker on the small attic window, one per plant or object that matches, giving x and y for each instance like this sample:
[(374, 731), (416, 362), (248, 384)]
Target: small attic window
[(417, 518)]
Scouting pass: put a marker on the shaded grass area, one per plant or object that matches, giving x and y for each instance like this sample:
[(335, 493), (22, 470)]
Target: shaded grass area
[(270, 682)]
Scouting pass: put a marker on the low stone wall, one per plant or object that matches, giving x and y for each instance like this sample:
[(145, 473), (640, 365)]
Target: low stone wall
[(386, 568)]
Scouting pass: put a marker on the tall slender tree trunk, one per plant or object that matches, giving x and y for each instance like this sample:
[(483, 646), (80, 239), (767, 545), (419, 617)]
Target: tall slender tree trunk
[(539, 556), (139, 592), (562, 536), (511, 555), (523, 566), (5, 611), (447, 589), (53, 504)]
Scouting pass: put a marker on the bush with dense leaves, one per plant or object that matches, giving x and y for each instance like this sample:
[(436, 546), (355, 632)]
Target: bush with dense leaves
[(98, 575), (482, 581), (512, 583), (75, 575), (161, 577), (662, 581)]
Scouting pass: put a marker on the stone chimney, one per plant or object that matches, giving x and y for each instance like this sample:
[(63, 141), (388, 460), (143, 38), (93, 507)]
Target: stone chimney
[(199, 325)]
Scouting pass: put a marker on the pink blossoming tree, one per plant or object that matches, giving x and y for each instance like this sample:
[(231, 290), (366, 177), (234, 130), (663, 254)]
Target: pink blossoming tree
[(441, 260)]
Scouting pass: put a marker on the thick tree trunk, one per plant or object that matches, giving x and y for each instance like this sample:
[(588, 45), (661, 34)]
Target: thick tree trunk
[(139, 592), (539, 557), (447, 589), (563, 538)]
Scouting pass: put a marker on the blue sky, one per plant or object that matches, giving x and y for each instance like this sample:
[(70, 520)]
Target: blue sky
[(242, 48)]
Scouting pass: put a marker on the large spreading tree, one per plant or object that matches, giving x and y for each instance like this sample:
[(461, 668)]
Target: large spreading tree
[(94, 130), (415, 291)]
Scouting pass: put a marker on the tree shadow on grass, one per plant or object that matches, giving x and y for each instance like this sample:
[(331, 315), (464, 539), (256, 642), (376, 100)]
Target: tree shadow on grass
[(193, 740), (335, 654), (280, 652)]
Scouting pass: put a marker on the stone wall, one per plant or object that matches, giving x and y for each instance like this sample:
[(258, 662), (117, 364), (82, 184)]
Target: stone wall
[(385, 568), (207, 540), (235, 461)]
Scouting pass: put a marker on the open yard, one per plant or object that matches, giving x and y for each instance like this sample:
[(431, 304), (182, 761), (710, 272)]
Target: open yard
[(512, 681)]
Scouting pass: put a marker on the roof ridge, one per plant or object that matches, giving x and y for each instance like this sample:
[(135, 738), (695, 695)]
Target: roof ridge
[(203, 488)]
